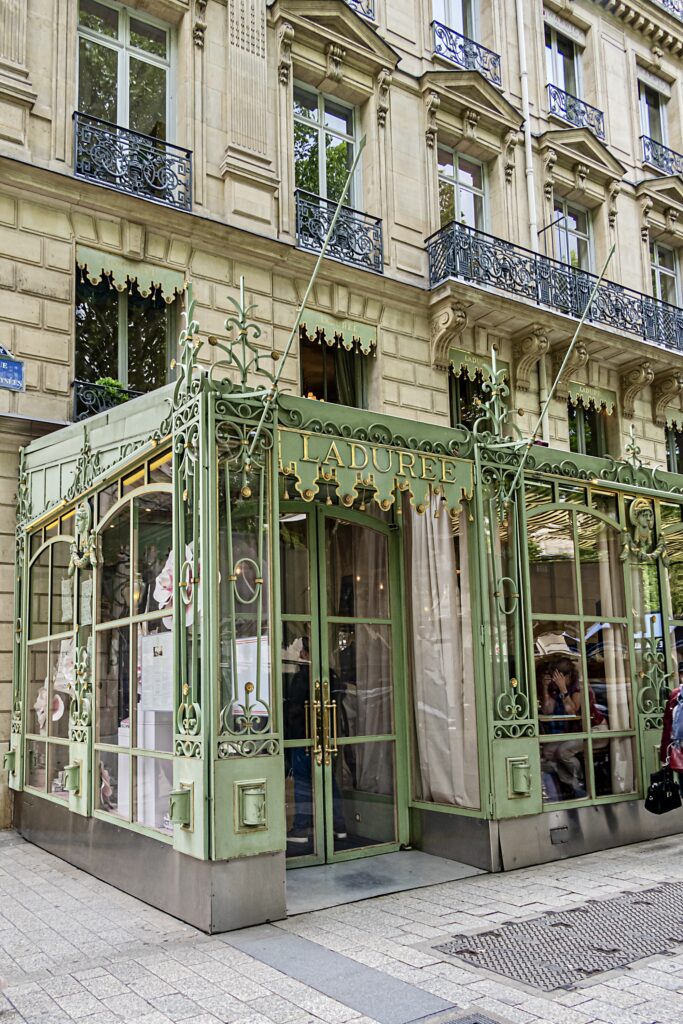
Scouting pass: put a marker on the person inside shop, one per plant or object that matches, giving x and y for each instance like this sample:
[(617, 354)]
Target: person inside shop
[(671, 749), (560, 698), (298, 760)]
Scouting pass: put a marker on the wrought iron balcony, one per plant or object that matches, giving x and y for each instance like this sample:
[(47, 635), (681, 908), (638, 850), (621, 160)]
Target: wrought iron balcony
[(674, 7), (661, 157), (89, 399), (357, 238), (462, 252), (575, 111), (131, 162), (466, 53), (366, 8)]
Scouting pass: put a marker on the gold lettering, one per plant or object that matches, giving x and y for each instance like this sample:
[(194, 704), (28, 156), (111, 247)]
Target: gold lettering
[(358, 448), (389, 454), (447, 466), (403, 457), (428, 469), (333, 454), (306, 457)]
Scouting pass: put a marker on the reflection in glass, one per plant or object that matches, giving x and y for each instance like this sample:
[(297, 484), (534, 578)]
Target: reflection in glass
[(154, 673), (296, 589), (58, 759), (299, 801), (114, 596), (363, 786), (674, 547), (154, 782), (153, 569), (602, 575), (113, 697), (36, 690), (40, 575), (357, 571), (62, 685), (360, 677), (609, 677), (97, 80), (35, 764), (62, 587), (113, 783), (559, 684), (614, 766), (563, 771), (551, 563), (296, 680)]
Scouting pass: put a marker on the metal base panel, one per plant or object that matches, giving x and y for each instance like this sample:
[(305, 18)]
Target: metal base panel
[(469, 840), (214, 896)]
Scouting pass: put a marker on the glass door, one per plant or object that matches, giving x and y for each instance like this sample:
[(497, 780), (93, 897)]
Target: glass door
[(339, 663)]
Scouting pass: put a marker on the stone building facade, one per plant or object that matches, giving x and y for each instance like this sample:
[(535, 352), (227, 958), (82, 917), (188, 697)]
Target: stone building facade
[(147, 145)]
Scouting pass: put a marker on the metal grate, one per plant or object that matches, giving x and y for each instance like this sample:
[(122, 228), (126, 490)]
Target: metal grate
[(563, 948)]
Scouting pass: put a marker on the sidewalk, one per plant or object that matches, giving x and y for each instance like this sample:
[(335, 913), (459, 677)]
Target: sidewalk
[(74, 949)]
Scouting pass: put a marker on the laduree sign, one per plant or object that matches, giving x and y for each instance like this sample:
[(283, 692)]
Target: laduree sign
[(11, 372), (355, 467)]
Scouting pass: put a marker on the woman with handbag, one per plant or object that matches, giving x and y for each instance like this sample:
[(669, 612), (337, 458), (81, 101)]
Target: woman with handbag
[(663, 795)]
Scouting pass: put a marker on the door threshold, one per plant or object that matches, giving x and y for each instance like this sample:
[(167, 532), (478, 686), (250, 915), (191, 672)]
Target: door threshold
[(333, 885)]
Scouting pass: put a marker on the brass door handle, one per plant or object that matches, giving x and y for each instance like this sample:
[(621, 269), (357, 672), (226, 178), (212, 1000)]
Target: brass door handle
[(315, 710), (329, 723)]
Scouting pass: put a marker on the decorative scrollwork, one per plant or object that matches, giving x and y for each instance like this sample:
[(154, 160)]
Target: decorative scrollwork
[(80, 711), (513, 713), (189, 719), (653, 682), (357, 237), (88, 468), (189, 346), (269, 745), (83, 551), (466, 53), (661, 157), (91, 399), (187, 747), (241, 354), (15, 727), (575, 111)]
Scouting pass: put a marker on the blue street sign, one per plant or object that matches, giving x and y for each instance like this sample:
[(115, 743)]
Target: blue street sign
[(11, 372)]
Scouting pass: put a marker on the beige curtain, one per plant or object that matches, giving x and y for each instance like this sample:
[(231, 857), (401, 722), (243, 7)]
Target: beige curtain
[(442, 657)]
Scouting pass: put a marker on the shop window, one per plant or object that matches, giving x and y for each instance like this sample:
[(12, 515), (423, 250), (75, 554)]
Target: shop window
[(333, 374), (561, 61), (134, 676), (123, 68), (664, 268), (324, 144), (674, 448), (582, 640), (652, 113), (122, 335), (571, 235), (587, 429), (456, 14), (461, 189)]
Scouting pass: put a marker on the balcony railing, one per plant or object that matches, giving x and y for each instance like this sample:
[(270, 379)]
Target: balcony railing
[(466, 53), (364, 7), (131, 162), (357, 238), (674, 7), (462, 252), (575, 111), (89, 399), (661, 157)]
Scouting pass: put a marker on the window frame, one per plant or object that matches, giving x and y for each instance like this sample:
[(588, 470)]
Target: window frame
[(644, 112), (466, 10), (599, 431), (553, 61), (560, 226), (673, 436), (124, 50), (360, 373), (355, 190), (456, 185), (657, 271)]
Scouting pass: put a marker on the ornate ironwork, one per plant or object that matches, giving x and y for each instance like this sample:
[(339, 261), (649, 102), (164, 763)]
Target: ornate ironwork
[(89, 399), (466, 53), (241, 353), (357, 238), (132, 162), (661, 157), (654, 686), (674, 7), (463, 252), (575, 111), (366, 8), (80, 713)]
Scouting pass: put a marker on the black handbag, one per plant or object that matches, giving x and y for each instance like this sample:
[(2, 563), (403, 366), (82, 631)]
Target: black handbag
[(663, 794)]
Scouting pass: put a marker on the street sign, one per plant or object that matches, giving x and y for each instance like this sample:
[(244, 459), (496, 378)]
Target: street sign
[(11, 372)]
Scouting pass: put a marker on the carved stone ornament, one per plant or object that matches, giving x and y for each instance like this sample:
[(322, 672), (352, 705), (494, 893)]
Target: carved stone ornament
[(639, 543), (384, 83), (667, 388), (633, 381), (285, 38), (469, 124), (447, 326), (549, 161), (670, 219), (613, 193), (657, 56), (84, 547), (528, 349), (433, 103), (646, 205), (510, 153), (199, 26), (576, 361), (581, 172), (335, 62)]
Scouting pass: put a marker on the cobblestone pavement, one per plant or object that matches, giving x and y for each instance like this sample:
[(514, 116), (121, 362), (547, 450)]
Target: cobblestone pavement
[(74, 949)]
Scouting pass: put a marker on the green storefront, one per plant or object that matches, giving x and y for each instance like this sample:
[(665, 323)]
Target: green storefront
[(257, 631)]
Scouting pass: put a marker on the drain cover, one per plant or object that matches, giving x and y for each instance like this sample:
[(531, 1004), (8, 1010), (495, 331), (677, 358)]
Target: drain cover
[(563, 948)]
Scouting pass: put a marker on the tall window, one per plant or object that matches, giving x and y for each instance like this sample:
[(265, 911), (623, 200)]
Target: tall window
[(652, 113), (664, 273), (461, 189), (333, 374), (122, 335), (123, 68), (134, 701), (587, 429), (456, 14), (562, 64), (466, 397), (324, 144), (674, 448), (572, 235)]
